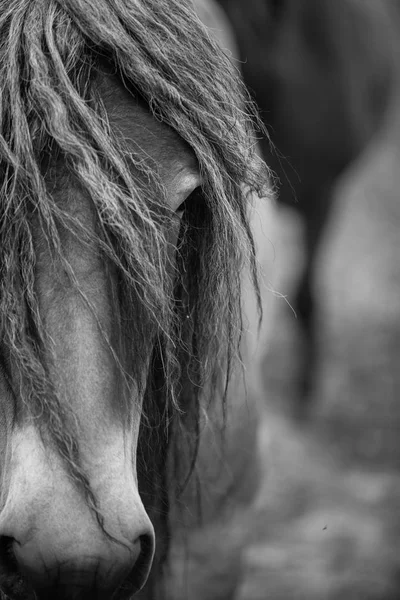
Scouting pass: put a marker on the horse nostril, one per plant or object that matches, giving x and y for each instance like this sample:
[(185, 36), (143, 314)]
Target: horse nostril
[(139, 573), (10, 578), (8, 562)]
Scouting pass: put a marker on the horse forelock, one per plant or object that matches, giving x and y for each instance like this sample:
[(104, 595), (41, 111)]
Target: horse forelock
[(51, 114)]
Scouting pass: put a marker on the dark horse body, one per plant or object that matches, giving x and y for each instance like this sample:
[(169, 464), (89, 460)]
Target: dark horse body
[(322, 74), (127, 278)]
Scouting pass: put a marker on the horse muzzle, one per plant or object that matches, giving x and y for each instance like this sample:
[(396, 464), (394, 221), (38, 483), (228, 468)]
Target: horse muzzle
[(29, 572)]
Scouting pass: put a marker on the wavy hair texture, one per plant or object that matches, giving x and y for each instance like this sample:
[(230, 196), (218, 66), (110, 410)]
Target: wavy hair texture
[(50, 52)]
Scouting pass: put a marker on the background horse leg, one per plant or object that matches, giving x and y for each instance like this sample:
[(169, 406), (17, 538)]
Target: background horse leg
[(314, 223)]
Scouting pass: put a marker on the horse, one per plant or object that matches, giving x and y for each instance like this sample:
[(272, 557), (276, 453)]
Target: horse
[(130, 192), (323, 75)]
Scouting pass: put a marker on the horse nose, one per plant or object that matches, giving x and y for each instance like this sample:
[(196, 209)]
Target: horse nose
[(53, 544), (43, 568)]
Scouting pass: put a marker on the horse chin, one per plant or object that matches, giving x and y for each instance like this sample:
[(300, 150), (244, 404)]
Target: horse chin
[(77, 585), (15, 587), (21, 590)]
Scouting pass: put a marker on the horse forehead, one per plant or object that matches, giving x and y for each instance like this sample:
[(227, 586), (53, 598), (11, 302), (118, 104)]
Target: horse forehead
[(158, 143)]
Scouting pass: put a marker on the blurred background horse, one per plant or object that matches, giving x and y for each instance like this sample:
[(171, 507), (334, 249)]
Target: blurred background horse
[(326, 523), (128, 290), (322, 74)]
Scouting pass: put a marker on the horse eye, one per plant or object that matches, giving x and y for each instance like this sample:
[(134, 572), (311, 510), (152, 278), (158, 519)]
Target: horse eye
[(188, 200), (5, 370)]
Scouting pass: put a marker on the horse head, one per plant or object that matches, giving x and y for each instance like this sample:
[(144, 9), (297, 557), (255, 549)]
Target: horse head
[(123, 165)]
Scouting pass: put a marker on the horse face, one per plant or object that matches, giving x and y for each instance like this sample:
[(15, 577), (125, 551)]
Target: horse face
[(51, 540)]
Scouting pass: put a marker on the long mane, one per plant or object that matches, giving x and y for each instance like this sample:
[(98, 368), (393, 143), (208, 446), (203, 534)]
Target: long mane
[(50, 53)]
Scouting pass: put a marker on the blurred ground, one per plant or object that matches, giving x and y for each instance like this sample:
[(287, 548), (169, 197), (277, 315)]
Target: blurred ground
[(328, 519)]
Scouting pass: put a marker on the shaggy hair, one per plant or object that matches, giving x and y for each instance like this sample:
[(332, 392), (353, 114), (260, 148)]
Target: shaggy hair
[(50, 54)]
